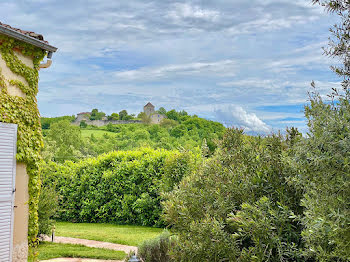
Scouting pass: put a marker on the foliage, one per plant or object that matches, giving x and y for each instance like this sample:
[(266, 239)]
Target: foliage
[(157, 249), (47, 121), (162, 111), (119, 187), (123, 115), (95, 115), (323, 164), (144, 117), (210, 210), (49, 250), (119, 234), (67, 141), (322, 159), (23, 111), (113, 116), (265, 231), (95, 141), (178, 115), (172, 114), (168, 123), (174, 169), (48, 205), (83, 124)]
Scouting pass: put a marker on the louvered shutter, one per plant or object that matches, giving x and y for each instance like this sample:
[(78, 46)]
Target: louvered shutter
[(8, 139)]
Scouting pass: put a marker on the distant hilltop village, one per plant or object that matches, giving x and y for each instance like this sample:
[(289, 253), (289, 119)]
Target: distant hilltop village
[(152, 117)]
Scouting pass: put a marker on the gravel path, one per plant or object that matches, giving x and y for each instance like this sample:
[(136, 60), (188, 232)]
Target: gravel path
[(92, 243)]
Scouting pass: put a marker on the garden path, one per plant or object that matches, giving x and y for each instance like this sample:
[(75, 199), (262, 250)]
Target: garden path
[(92, 243)]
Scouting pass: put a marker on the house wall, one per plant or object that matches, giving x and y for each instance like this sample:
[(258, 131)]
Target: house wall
[(157, 118), (20, 229), (81, 118), (20, 236)]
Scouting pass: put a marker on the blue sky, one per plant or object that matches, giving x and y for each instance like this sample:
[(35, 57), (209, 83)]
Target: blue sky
[(244, 63)]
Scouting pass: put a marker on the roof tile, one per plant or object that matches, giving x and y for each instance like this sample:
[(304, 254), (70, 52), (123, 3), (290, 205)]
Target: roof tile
[(28, 33)]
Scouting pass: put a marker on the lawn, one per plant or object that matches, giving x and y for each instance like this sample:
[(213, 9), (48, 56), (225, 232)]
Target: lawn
[(119, 234), (49, 250), (97, 133)]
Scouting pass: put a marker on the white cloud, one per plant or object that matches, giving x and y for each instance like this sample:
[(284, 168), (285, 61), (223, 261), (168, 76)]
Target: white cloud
[(253, 83), (270, 22), (238, 117), (218, 68), (182, 11)]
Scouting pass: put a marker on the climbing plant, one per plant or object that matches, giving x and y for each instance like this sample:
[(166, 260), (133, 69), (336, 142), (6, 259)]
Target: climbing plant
[(24, 112)]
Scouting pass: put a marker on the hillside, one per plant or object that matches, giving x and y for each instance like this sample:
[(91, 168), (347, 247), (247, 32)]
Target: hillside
[(64, 141)]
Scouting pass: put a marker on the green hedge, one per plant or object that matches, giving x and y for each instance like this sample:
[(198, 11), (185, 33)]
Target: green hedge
[(121, 187)]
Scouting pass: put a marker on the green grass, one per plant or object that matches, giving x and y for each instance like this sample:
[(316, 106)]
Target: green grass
[(97, 133), (49, 250), (119, 234)]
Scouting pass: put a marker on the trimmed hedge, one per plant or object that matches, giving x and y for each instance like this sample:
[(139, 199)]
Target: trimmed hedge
[(119, 187)]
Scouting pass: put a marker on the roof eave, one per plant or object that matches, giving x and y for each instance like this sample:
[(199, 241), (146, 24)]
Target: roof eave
[(27, 39)]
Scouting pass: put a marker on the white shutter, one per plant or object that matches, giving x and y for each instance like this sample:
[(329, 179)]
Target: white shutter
[(8, 139)]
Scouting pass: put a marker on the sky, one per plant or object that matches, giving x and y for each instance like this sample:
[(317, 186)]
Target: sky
[(246, 64)]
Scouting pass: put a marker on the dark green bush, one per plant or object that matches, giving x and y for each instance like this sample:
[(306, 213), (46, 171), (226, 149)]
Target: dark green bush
[(120, 187), (83, 124)]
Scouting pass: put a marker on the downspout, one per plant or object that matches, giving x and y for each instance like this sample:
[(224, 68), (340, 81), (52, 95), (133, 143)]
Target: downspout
[(48, 61)]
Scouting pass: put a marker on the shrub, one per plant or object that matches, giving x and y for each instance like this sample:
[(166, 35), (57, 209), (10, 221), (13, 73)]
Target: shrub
[(83, 124), (48, 205), (323, 160), (233, 184), (205, 239), (120, 187), (175, 168), (113, 128), (156, 250), (266, 231)]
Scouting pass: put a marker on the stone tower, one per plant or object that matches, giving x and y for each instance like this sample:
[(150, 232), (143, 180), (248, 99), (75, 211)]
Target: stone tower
[(149, 109)]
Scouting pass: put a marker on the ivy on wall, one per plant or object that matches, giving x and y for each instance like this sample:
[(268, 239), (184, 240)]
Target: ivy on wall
[(24, 112)]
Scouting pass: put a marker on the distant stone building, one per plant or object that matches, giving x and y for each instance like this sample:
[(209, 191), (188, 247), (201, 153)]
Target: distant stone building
[(149, 109), (84, 116), (155, 117)]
